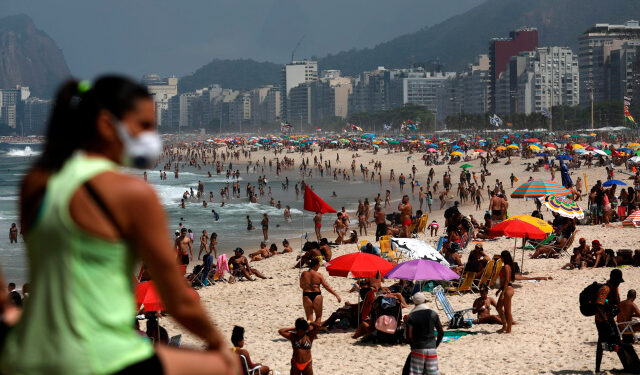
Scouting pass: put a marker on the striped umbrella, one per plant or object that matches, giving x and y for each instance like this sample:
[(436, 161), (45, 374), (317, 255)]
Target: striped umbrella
[(563, 206), (633, 220), (533, 189)]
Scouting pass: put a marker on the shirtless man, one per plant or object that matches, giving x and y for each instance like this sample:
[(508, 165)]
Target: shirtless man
[(325, 249), (204, 238), (381, 222), (240, 266), (482, 307), (339, 228), (317, 223), (494, 207), (628, 311), (287, 213), (183, 247), (406, 211)]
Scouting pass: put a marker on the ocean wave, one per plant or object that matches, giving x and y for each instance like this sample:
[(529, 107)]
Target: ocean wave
[(27, 151), (248, 207), (9, 198)]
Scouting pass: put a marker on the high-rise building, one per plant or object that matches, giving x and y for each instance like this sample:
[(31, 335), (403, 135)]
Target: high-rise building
[(421, 88), (467, 92), (371, 91), (538, 80), (36, 114), (293, 74), (265, 105), (342, 88), (502, 49), (11, 101), (161, 89), (594, 59)]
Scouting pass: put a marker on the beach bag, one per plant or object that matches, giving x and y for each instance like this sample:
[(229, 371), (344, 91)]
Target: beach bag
[(588, 298), (458, 321)]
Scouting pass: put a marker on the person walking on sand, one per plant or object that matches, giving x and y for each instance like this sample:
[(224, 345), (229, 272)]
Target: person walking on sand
[(317, 223), (607, 305), (301, 338), (265, 226), (83, 216), (310, 282), (406, 211)]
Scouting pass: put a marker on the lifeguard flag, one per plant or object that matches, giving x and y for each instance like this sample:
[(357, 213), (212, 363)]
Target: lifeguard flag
[(312, 202)]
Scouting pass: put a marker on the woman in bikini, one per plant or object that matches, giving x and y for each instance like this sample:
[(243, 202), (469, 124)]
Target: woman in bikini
[(204, 238), (310, 282), (301, 338), (505, 293), (212, 245)]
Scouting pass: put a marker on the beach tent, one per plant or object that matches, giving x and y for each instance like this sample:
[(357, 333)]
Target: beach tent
[(417, 249)]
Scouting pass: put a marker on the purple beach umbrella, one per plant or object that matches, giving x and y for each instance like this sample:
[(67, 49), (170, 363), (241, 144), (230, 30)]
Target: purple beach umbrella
[(421, 270)]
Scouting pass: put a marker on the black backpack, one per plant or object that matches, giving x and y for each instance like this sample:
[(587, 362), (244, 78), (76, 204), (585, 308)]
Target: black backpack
[(457, 321), (588, 298)]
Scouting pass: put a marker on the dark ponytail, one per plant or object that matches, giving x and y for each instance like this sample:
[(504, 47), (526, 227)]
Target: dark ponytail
[(72, 122)]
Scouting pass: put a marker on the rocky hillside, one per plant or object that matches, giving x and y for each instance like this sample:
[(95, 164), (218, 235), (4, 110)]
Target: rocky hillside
[(29, 57)]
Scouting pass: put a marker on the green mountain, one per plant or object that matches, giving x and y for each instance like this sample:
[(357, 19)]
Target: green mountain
[(455, 42), (235, 74), (459, 39)]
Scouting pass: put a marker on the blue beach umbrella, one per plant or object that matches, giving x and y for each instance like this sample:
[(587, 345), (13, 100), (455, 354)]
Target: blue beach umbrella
[(614, 182)]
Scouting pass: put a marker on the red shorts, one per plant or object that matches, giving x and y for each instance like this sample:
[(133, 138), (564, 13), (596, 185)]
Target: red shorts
[(407, 223), (318, 225)]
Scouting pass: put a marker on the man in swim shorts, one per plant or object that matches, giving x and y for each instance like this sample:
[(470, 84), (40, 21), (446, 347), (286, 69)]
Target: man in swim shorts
[(406, 211)]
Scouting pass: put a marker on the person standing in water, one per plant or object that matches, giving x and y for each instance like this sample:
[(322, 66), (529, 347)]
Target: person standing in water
[(82, 216)]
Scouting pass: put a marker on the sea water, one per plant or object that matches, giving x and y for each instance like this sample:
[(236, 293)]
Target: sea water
[(232, 224)]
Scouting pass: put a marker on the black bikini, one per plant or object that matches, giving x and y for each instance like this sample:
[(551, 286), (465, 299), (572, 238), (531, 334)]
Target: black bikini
[(312, 295)]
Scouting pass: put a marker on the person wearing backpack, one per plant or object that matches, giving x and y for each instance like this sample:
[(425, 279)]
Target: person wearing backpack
[(606, 308)]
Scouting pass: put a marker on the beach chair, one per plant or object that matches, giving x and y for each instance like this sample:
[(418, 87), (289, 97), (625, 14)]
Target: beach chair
[(362, 243), (244, 366), (486, 275), (175, 340), (385, 237), (465, 284), (418, 226), (202, 278), (440, 243), (442, 303), (533, 244), (385, 246), (626, 328), (496, 272)]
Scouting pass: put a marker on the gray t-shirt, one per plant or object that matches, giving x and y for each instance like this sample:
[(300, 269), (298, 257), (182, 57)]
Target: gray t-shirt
[(423, 323)]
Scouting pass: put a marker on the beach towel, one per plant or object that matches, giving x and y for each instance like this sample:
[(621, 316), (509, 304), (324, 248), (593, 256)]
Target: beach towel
[(223, 265), (424, 361)]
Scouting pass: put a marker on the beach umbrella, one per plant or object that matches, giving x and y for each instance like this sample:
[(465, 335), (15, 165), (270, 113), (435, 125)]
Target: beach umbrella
[(577, 146), (614, 182), (417, 249), (480, 150), (147, 294), (564, 157), (538, 188), (543, 154), (633, 220), (431, 150), (358, 265), (633, 145), (549, 145), (600, 152), (513, 147), (421, 270), (456, 153), (635, 159), (563, 206), (534, 147), (581, 151), (501, 148), (521, 226), (465, 166)]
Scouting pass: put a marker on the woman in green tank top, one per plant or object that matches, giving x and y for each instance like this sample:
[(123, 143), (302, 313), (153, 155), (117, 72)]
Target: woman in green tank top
[(85, 225)]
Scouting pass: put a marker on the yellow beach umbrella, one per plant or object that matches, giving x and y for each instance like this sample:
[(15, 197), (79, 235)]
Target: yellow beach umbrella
[(534, 147), (577, 146), (634, 145), (501, 148), (456, 153), (592, 134), (538, 223), (513, 147)]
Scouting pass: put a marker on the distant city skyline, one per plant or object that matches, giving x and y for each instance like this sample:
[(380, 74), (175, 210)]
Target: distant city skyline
[(168, 37)]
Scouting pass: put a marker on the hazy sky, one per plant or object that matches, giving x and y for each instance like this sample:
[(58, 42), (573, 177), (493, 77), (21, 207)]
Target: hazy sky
[(177, 37)]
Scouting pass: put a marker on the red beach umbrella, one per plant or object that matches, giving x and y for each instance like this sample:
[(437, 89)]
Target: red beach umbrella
[(358, 265), (147, 295)]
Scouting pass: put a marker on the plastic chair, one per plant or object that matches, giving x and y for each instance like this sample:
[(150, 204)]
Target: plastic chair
[(245, 366)]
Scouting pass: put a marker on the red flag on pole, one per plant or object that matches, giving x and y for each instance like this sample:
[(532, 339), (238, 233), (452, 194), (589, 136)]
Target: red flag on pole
[(312, 202)]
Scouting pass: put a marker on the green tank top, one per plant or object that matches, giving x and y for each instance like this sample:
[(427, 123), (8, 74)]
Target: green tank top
[(80, 315)]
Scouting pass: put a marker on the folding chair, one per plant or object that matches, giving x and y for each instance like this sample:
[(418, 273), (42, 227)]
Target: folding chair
[(496, 272), (362, 243), (465, 284), (626, 328), (533, 244), (486, 275), (442, 303)]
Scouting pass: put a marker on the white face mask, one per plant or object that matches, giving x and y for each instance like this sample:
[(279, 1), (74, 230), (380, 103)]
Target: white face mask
[(140, 151)]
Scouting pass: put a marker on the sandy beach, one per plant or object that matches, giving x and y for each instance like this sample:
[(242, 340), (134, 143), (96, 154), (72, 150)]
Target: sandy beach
[(551, 335)]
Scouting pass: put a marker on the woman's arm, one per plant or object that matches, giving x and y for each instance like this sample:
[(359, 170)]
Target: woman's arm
[(328, 288), (286, 333), (146, 231)]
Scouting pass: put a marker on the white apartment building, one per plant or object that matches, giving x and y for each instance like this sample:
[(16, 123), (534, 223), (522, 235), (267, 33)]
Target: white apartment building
[(294, 74), (162, 90)]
